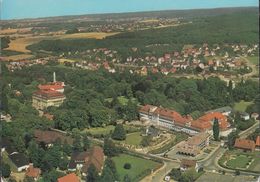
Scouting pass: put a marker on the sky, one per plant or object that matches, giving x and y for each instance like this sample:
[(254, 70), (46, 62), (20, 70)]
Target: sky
[(18, 9)]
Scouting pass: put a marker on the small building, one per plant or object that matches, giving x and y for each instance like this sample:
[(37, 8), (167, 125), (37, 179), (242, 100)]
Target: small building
[(244, 115), (7, 146), (20, 161), (33, 172), (257, 143), (43, 99), (82, 160), (69, 178), (245, 145), (188, 164), (255, 115)]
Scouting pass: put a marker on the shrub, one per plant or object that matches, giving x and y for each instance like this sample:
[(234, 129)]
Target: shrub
[(127, 166)]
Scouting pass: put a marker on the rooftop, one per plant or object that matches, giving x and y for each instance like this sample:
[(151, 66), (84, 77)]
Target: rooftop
[(69, 178), (19, 159), (245, 144)]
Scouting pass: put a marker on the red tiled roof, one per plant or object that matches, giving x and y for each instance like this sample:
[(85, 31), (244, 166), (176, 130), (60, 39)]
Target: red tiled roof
[(186, 163), (200, 125), (96, 158), (257, 143), (56, 86), (245, 144), (48, 94), (172, 115), (209, 117), (33, 172), (69, 178)]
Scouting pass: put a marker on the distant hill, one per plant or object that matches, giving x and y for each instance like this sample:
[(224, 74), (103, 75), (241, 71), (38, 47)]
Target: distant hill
[(236, 27)]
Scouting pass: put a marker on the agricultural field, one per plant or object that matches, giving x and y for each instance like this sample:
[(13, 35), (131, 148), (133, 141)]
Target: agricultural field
[(139, 166), (20, 44), (242, 105)]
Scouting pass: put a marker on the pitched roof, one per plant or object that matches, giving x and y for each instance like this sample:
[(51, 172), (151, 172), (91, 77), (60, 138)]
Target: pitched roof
[(209, 118), (171, 115), (69, 178), (19, 159), (33, 172), (49, 137), (198, 139), (186, 163), (257, 143), (51, 86), (96, 158), (245, 144), (48, 94)]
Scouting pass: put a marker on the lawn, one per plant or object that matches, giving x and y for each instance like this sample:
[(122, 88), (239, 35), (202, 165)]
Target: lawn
[(139, 166), (109, 129), (213, 177), (7, 160), (253, 60), (242, 105), (238, 162), (134, 139)]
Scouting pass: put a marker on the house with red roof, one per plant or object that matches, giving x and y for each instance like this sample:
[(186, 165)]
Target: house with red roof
[(33, 172), (244, 144), (257, 143), (69, 178), (49, 95)]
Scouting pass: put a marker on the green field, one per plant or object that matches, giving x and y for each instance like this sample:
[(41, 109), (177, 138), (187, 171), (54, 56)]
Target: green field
[(134, 139), (253, 60), (213, 177), (109, 129), (238, 162), (8, 161), (139, 166), (242, 105)]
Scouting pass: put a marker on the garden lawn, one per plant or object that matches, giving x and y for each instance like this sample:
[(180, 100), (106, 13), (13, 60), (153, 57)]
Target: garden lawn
[(134, 138), (100, 130), (139, 166), (242, 105), (239, 162)]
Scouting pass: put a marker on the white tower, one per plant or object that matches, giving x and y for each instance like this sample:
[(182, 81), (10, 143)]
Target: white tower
[(54, 77)]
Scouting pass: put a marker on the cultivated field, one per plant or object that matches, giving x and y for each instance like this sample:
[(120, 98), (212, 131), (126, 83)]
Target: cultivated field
[(20, 44)]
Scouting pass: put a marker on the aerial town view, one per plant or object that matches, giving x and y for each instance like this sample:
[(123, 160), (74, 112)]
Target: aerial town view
[(129, 91)]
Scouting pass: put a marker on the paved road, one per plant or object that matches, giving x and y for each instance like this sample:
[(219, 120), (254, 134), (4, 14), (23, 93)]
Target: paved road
[(158, 176), (250, 130)]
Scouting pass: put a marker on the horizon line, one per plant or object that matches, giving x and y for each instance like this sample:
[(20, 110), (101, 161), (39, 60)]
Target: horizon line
[(107, 13)]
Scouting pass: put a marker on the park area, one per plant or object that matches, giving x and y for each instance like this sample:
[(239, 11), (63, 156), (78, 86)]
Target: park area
[(139, 167), (103, 131), (236, 159)]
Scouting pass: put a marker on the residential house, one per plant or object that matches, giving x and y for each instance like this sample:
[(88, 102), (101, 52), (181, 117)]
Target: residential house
[(254, 116), (33, 172), (188, 164), (69, 178), (245, 145), (244, 115), (20, 161), (82, 160), (257, 143), (7, 146)]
